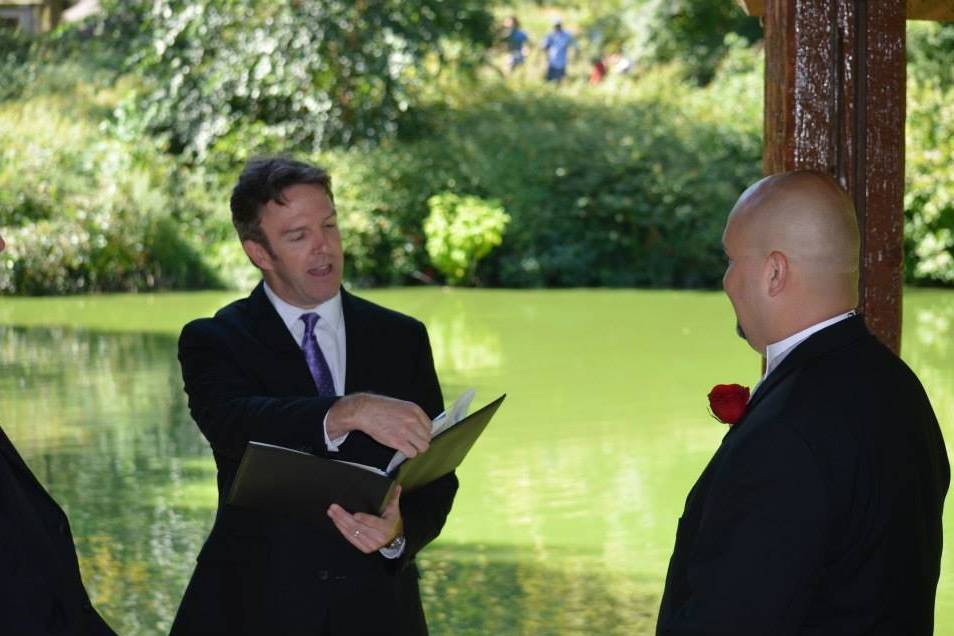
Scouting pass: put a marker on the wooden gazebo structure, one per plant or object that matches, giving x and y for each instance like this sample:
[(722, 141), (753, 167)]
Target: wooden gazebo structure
[(31, 16), (835, 101)]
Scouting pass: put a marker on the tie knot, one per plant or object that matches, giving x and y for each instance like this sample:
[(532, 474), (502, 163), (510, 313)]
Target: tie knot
[(310, 319)]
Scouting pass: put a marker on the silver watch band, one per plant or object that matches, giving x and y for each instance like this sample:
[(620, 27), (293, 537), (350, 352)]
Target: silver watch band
[(396, 544)]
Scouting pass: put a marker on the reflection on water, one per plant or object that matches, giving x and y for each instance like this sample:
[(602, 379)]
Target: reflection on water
[(567, 508), (479, 589), (102, 422)]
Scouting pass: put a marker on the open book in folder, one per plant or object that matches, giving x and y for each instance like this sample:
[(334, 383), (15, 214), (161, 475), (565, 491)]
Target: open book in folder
[(287, 481)]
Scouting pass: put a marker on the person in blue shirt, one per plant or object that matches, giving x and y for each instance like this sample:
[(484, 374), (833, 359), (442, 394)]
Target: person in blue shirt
[(515, 39), (557, 45)]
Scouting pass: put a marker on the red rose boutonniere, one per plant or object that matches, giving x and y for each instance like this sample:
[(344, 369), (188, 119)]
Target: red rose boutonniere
[(727, 402)]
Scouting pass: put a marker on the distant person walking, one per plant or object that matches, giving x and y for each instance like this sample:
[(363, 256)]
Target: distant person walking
[(557, 45), (598, 70), (516, 39)]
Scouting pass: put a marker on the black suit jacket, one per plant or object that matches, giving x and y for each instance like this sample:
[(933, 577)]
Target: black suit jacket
[(41, 591), (820, 513), (259, 573)]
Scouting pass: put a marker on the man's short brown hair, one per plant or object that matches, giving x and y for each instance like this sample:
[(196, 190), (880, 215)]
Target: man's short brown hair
[(263, 180)]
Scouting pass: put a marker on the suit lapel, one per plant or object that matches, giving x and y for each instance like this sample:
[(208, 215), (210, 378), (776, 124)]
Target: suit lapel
[(817, 344), (269, 327), (357, 356)]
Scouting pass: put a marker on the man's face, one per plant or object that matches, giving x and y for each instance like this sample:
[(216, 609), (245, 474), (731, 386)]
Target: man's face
[(306, 260), (741, 280)]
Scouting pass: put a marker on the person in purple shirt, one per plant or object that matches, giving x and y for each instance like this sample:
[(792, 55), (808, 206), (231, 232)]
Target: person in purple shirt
[(557, 45)]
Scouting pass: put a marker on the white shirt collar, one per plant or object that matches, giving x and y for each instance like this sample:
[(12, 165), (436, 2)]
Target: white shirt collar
[(330, 312), (778, 351)]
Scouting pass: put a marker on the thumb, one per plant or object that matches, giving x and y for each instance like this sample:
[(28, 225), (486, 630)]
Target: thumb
[(393, 504)]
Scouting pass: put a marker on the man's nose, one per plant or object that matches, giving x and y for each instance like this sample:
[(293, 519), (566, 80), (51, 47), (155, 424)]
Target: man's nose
[(318, 241)]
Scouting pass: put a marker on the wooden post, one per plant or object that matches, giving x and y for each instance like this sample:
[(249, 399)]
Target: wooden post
[(835, 102)]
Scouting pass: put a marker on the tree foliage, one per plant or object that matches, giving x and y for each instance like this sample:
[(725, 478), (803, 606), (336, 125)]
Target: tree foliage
[(930, 49), (294, 74), (624, 190), (690, 32)]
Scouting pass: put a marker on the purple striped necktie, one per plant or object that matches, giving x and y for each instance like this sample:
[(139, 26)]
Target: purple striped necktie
[(315, 360)]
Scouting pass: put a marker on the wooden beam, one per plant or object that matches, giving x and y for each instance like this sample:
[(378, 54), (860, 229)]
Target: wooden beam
[(915, 10), (752, 7), (930, 10), (835, 102)]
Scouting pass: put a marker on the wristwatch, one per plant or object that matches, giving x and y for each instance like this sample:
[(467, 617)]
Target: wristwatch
[(396, 545)]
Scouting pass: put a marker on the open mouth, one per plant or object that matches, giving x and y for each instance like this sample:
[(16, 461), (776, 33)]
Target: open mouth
[(322, 270)]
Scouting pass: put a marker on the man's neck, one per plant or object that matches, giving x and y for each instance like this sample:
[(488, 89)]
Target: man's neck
[(330, 310), (779, 350), (802, 317)]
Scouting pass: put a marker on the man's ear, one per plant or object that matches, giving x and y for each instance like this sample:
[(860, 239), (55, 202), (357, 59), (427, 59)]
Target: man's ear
[(257, 253), (777, 271)]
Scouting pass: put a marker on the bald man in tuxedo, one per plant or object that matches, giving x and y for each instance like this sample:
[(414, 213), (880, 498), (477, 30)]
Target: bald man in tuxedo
[(820, 512), (41, 590)]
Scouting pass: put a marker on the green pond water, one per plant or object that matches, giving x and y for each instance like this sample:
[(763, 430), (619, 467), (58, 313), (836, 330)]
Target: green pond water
[(566, 514)]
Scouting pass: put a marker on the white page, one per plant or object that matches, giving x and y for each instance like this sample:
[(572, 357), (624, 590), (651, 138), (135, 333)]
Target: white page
[(284, 448), (372, 469), (458, 412), (441, 423)]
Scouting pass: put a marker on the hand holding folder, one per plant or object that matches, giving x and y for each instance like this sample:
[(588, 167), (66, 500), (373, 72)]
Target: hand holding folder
[(286, 481)]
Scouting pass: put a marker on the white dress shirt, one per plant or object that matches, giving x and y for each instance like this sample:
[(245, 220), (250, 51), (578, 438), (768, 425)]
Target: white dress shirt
[(330, 333), (778, 351)]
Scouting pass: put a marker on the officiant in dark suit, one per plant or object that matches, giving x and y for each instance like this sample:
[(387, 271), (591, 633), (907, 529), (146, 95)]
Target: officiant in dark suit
[(820, 512), (41, 591), (304, 364)]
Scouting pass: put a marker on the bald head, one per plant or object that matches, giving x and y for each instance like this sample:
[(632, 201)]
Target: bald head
[(796, 235), (806, 216)]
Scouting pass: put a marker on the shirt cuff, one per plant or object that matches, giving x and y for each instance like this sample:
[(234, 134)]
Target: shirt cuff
[(392, 553), (332, 444)]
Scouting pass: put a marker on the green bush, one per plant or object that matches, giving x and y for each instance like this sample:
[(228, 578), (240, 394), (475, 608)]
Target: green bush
[(929, 187), (16, 71), (461, 230), (930, 51), (83, 212)]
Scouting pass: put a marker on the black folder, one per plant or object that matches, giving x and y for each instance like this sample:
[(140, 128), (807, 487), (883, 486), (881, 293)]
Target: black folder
[(290, 482)]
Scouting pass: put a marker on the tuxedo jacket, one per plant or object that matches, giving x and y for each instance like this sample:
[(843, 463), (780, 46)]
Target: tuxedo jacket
[(41, 591), (262, 573), (820, 513)]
